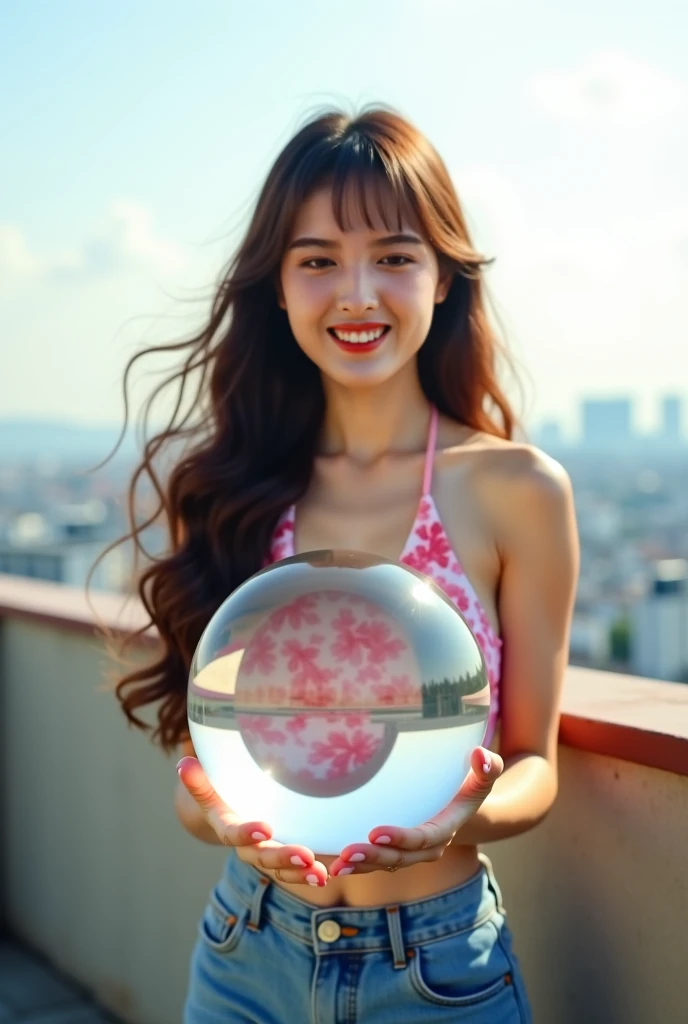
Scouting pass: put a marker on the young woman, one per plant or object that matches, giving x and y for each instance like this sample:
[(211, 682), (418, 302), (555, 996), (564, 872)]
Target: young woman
[(348, 398)]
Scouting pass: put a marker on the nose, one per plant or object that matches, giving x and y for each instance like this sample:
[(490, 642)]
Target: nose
[(357, 294)]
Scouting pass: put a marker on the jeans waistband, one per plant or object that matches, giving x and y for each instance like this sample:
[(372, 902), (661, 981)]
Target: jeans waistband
[(345, 929)]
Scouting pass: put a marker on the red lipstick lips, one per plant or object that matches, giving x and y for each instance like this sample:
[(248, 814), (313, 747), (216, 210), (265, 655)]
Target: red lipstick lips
[(359, 347)]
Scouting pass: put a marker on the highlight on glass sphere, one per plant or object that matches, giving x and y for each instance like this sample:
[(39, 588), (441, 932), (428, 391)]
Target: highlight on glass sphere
[(335, 691)]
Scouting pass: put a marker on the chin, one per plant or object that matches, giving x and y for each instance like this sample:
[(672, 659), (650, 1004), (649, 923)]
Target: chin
[(362, 373), (360, 378)]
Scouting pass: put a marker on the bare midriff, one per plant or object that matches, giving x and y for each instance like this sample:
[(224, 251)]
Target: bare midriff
[(375, 888)]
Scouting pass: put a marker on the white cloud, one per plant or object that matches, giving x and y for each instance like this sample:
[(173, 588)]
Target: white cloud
[(494, 208), (130, 228), (611, 86), (671, 232), (125, 240), (16, 259), (587, 300), (505, 225)]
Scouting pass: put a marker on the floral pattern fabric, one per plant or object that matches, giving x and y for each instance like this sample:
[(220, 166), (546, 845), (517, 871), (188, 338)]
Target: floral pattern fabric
[(428, 550), (309, 678)]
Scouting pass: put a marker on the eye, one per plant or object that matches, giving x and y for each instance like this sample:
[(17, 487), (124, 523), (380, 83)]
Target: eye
[(398, 257), (323, 259), (319, 259)]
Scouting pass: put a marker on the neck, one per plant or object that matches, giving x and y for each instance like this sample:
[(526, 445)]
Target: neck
[(366, 424)]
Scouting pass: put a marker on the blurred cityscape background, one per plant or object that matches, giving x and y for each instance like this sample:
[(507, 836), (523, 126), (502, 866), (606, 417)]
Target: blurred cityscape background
[(134, 139), (631, 491), (130, 185)]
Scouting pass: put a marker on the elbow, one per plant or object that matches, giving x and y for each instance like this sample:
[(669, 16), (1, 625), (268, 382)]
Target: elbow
[(548, 794)]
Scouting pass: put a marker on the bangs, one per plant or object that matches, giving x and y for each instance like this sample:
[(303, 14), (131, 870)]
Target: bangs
[(367, 185)]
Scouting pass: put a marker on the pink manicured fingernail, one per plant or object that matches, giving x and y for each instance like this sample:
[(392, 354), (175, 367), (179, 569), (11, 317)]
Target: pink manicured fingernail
[(487, 764), (345, 871), (383, 839), (356, 858), (179, 767), (312, 879), (258, 835), (300, 863)]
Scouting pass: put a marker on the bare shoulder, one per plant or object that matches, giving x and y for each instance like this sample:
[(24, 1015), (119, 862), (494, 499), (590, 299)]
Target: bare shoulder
[(517, 485), (509, 463), (530, 498), (522, 468)]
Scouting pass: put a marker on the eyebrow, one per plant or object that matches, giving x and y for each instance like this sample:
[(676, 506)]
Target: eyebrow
[(325, 243)]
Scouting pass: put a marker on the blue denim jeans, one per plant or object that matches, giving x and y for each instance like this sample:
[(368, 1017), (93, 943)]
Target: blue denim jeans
[(267, 957)]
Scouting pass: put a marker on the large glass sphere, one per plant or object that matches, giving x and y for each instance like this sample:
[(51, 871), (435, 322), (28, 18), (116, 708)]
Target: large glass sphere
[(336, 691)]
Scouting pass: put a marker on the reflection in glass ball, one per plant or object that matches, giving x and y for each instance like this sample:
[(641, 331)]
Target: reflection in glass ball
[(336, 691)]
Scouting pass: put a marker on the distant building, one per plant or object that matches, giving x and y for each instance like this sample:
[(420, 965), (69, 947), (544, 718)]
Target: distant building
[(670, 429), (607, 423), (589, 640), (659, 646), (65, 563), (549, 435), (63, 548)]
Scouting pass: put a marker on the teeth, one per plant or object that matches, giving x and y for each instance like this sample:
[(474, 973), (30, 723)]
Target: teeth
[(360, 336)]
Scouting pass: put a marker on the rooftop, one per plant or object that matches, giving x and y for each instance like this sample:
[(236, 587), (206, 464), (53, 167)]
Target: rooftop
[(94, 857), (33, 992)]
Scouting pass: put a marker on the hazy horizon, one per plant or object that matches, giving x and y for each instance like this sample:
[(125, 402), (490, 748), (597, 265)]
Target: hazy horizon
[(136, 141)]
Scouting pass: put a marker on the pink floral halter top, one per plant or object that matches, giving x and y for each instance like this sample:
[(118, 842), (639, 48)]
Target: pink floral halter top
[(428, 550)]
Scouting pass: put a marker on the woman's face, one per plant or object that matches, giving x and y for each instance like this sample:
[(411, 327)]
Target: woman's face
[(359, 278)]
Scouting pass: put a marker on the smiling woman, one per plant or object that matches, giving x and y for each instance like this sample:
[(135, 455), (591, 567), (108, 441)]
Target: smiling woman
[(349, 397), (370, 264)]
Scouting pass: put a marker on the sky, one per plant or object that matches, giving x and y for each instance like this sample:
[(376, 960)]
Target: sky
[(134, 138)]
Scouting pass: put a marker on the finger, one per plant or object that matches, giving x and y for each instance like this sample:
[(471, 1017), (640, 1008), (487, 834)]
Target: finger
[(316, 876), (272, 855), (229, 826), (485, 769), (364, 859), (277, 862)]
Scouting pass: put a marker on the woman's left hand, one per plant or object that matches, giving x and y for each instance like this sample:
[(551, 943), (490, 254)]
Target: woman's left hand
[(392, 847)]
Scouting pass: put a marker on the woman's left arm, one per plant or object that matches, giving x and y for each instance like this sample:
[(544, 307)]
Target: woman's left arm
[(538, 539)]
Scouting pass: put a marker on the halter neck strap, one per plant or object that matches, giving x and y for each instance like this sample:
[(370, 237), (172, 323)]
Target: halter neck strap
[(430, 452)]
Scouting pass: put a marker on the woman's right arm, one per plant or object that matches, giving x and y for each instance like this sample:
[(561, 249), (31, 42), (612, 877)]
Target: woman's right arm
[(205, 816)]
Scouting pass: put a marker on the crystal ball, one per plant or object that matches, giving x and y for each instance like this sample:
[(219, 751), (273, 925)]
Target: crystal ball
[(336, 691)]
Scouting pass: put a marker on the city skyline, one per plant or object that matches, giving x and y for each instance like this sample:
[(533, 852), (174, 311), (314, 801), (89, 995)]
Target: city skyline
[(614, 421), (126, 194), (22, 439)]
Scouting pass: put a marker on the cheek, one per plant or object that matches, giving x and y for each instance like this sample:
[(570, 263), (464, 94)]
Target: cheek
[(413, 304), (307, 302), (306, 312)]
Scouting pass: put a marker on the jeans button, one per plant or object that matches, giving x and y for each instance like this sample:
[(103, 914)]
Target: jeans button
[(329, 931)]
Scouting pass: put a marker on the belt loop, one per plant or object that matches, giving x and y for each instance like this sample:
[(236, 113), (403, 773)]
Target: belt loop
[(492, 881), (261, 888), (396, 936)]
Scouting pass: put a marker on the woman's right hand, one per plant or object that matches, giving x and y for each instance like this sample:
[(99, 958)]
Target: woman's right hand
[(251, 839)]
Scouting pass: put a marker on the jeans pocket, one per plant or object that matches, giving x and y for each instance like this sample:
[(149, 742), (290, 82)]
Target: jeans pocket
[(222, 926), (469, 969)]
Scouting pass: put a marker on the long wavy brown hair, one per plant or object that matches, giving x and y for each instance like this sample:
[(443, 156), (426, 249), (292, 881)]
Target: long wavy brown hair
[(251, 431)]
